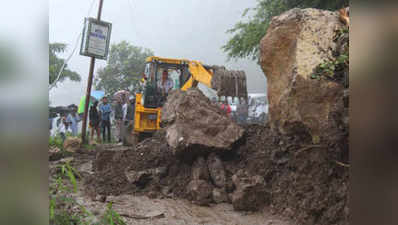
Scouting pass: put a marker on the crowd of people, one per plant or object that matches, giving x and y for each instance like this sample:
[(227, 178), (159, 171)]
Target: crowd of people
[(100, 119)]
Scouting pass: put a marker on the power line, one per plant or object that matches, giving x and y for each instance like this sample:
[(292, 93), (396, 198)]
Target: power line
[(132, 19), (73, 51)]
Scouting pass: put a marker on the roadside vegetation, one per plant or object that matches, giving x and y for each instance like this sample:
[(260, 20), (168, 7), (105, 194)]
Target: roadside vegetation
[(63, 207), (247, 33)]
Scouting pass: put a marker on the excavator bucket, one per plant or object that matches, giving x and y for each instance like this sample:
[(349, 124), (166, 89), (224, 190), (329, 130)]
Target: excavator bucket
[(229, 82)]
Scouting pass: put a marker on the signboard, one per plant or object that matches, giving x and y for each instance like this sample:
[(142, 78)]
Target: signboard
[(95, 39)]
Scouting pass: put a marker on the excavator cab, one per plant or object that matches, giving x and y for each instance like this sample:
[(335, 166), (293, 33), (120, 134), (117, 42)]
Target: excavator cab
[(156, 72)]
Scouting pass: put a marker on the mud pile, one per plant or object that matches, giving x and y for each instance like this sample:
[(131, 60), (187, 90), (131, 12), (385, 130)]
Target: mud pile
[(112, 166), (306, 182), (288, 172)]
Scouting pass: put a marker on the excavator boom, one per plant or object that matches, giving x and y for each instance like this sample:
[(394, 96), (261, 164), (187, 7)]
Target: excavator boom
[(225, 82)]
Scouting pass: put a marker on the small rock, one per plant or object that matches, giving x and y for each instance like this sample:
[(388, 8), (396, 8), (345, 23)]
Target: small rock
[(152, 194), (72, 144), (250, 193), (139, 178), (216, 169), (288, 212), (219, 195), (200, 192), (200, 170)]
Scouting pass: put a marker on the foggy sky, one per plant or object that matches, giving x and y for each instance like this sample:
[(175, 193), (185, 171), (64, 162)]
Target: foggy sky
[(191, 29)]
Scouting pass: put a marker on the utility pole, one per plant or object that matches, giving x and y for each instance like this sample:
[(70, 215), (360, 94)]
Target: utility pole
[(89, 84)]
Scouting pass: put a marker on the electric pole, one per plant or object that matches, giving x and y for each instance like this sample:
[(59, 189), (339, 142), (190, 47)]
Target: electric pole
[(89, 84)]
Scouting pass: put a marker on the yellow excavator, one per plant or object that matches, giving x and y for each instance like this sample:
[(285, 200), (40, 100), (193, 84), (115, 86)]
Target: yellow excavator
[(185, 74)]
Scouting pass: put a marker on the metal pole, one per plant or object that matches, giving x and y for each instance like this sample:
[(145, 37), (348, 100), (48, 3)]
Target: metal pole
[(89, 84)]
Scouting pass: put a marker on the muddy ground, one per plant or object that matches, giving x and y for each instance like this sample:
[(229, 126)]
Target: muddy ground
[(141, 209), (306, 183)]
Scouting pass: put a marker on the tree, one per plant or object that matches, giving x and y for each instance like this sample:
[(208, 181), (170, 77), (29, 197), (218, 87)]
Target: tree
[(248, 33), (55, 66), (124, 69)]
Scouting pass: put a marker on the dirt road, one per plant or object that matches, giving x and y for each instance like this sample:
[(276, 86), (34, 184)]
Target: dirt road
[(144, 210)]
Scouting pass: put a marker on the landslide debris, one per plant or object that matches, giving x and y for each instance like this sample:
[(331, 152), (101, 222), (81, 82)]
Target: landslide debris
[(195, 126), (297, 165), (296, 43), (286, 172)]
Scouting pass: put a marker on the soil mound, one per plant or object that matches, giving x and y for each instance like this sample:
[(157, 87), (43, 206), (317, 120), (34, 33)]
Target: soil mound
[(151, 159), (306, 182), (296, 178)]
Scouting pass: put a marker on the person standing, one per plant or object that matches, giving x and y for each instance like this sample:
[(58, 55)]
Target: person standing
[(95, 121), (62, 127), (129, 121), (105, 115), (242, 110), (119, 118), (73, 119), (226, 108)]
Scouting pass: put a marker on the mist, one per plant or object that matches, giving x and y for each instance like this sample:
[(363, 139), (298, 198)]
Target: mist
[(176, 29)]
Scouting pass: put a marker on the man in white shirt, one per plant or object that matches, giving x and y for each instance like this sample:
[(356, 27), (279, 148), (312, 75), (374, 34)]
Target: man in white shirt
[(73, 119), (62, 128), (166, 84)]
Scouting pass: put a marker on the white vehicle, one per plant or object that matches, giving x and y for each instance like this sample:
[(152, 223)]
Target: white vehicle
[(258, 108)]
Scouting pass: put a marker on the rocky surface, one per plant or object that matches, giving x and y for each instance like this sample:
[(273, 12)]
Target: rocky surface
[(295, 44), (200, 169), (216, 169), (200, 192), (196, 126), (251, 193)]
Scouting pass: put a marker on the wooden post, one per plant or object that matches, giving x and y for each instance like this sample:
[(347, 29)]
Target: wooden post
[(89, 84)]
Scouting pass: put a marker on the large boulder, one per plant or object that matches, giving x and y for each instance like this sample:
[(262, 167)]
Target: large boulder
[(295, 44), (192, 123), (250, 193)]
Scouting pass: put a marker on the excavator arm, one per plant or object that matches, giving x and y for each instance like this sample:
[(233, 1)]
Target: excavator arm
[(225, 82), (199, 74)]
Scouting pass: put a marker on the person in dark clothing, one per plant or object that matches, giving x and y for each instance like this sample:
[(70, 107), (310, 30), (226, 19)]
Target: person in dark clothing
[(119, 118), (95, 121), (105, 115), (128, 119)]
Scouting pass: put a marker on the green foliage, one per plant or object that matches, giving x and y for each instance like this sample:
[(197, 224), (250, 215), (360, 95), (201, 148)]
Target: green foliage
[(126, 64), (69, 171), (55, 141), (333, 69), (111, 217), (246, 34), (60, 203), (55, 65), (64, 209)]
